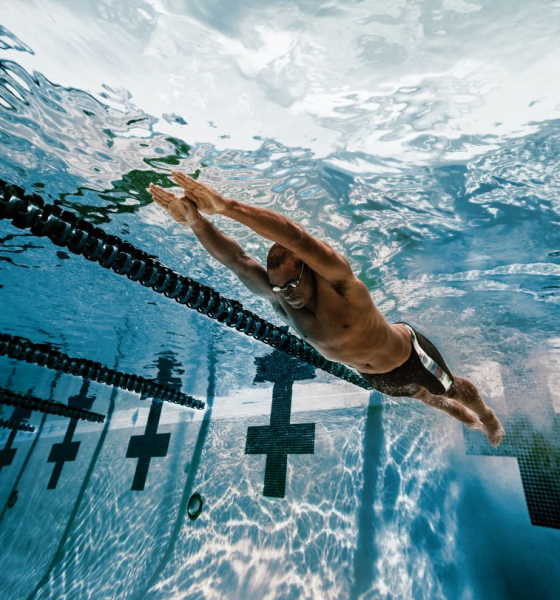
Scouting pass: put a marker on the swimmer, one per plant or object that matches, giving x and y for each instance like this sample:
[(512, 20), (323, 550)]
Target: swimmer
[(312, 287)]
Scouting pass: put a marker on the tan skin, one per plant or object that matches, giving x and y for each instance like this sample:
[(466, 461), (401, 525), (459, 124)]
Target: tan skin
[(330, 307)]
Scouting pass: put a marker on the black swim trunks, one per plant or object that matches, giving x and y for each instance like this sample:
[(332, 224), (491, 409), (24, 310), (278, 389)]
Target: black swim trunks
[(425, 366)]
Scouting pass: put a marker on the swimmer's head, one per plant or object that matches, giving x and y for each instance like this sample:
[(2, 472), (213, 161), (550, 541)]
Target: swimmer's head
[(290, 278)]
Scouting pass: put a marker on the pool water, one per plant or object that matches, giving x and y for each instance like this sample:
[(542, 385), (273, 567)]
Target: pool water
[(422, 140)]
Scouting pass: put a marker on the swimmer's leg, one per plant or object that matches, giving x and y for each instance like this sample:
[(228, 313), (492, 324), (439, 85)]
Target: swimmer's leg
[(463, 391), (463, 402), (450, 406)]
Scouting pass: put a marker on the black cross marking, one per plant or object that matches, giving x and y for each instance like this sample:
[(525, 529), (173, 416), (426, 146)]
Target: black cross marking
[(67, 450), (280, 438), (152, 444), (8, 453), (145, 447), (537, 451)]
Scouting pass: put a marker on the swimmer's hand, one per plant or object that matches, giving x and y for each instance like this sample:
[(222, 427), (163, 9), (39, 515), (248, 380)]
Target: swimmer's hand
[(206, 199), (180, 208)]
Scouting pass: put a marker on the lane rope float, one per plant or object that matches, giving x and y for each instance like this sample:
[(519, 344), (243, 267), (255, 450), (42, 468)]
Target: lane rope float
[(66, 229)]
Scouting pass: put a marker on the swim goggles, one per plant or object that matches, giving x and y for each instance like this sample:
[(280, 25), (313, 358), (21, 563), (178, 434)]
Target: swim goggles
[(291, 284)]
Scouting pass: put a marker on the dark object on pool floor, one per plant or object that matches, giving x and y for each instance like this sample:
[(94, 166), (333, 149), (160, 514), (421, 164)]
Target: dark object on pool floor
[(195, 505), (12, 499)]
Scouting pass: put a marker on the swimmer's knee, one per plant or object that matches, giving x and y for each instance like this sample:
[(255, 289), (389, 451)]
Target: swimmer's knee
[(463, 389), (425, 396), (421, 392)]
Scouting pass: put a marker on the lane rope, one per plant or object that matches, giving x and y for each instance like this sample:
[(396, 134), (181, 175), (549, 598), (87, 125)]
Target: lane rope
[(21, 348), (30, 402), (17, 425)]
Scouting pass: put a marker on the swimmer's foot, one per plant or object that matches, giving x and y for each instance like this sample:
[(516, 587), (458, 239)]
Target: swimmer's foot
[(475, 424), (493, 428)]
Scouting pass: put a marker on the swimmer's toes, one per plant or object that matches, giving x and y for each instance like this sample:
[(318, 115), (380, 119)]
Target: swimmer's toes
[(475, 424)]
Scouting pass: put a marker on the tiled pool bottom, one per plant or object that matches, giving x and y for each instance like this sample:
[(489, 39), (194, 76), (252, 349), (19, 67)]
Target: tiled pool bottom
[(384, 499)]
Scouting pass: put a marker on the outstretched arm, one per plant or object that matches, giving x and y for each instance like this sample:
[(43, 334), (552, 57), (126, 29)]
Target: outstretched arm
[(220, 246), (318, 255), (230, 254)]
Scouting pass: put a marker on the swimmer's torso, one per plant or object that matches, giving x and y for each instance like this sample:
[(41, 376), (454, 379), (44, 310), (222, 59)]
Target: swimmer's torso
[(344, 325)]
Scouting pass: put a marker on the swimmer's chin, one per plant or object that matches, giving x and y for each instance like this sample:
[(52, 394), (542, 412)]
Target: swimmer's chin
[(297, 305)]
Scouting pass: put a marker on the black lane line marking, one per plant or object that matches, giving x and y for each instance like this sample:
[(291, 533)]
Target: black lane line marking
[(534, 443), (365, 553), (59, 553), (52, 388), (280, 438), (25, 463), (193, 466), (147, 446), (67, 450), (8, 453), (152, 444), (538, 459)]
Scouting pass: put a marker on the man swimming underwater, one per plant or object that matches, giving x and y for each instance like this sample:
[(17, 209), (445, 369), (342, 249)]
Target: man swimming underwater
[(312, 287)]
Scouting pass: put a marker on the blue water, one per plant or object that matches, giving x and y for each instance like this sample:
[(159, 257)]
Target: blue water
[(422, 140)]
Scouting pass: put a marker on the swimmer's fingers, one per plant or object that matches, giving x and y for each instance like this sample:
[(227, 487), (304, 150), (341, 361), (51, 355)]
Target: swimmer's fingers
[(187, 183), (205, 198), (181, 209), (161, 196)]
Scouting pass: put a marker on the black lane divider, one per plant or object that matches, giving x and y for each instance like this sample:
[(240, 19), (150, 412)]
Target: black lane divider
[(43, 355), (65, 229), (7, 424), (47, 406)]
